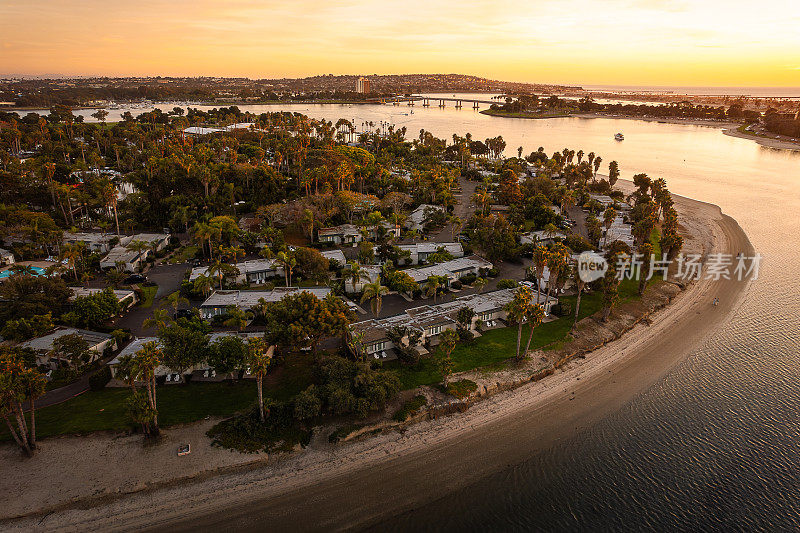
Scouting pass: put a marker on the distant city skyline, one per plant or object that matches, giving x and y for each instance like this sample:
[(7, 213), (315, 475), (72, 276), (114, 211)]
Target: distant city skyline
[(578, 42)]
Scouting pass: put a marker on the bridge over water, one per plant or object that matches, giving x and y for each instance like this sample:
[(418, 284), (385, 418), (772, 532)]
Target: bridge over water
[(426, 101)]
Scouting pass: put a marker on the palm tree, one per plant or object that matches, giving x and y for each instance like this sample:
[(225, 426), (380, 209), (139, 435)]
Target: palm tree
[(517, 310), (204, 284), (580, 285), (73, 254), (480, 284), (288, 262), (159, 320), (356, 274), (608, 219), (540, 257), (220, 270), (175, 300), (432, 286), (455, 226), (139, 247), (375, 292), (533, 316), (145, 362), (259, 357)]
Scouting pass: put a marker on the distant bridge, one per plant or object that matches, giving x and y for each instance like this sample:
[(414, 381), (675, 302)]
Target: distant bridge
[(426, 101)]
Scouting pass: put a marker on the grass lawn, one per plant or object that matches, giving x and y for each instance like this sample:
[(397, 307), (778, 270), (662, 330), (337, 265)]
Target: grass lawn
[(184, 254), (177, 404)]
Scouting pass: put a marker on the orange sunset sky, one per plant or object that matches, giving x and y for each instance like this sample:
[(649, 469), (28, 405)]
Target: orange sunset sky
[(625, 42)]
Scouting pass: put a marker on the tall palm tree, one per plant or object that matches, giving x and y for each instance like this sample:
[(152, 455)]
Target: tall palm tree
[(608, 219), (139, 247), (374, 292), (287, 261), (204, 284), (432, 286), (175, 300), (259, 357), (517, 310), (145, 362), (579, 285), (73, 253), (540, 257), (533, 316), (159, 320), (356, 274), (237, 318)]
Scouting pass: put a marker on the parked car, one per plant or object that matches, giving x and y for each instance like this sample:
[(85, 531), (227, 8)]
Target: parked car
[(135, 278), (183, 313)]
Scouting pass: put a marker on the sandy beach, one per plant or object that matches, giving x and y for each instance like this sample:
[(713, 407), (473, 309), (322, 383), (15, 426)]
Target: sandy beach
[(115, 484)]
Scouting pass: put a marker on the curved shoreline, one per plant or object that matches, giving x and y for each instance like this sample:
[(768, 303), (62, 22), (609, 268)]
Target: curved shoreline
[(365, 481)]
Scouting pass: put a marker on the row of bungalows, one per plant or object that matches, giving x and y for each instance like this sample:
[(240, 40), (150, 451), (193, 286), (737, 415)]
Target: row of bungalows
[(130, 259), (451, 270), (420, 216), (200, 372), (619, 231), (431, 320), (127, 298), (420, 251), (350, 234), (218, 302), (254, 271), (541, 237), (44, 346)]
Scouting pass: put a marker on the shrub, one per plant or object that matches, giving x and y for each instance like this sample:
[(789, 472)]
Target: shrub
[(507, 284), (410, 408), (246, 433), (461, 388), (492, 273), (100, 379), (465, 335), (455, 284), (469, 279), (561, 309)]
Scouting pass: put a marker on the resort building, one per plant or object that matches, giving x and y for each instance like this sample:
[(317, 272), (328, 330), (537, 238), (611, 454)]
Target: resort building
[(217, 304), (126, 298), (255, 271), (350, 234), (95, 242), (421, 215), (334, 255), (452, 270), (541, 237), (200, 372), (421, 250), (6, 257), (619, 231), (370, 273), (431, 320), (43, 346), (130, 259), (362, 86)]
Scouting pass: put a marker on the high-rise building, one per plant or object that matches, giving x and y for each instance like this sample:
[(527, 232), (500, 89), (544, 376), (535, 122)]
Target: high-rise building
[(362, 85)]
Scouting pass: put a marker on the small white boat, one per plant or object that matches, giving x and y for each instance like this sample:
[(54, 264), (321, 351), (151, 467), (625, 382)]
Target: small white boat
[(619, 137)]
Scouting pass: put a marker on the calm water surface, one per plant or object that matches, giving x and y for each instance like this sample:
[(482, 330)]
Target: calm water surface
[(715, 445)]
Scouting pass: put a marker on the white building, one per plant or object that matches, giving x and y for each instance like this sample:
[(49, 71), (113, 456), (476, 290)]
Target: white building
[(350, 234), (254, 271), (126, 298), (452, 270), (370, 274), (417, 219), (95, 242), (217, 304), (421, 250), (43, 346), (6, 257)]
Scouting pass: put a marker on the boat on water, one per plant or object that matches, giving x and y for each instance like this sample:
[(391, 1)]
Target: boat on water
[(619, 137)]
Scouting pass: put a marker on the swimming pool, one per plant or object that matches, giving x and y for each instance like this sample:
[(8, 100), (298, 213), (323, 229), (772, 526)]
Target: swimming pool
[(38, 271)]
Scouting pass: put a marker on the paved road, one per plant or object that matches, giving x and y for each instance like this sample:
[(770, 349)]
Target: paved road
[(168, 278)]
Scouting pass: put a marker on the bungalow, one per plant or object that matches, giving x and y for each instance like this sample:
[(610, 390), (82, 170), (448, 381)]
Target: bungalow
[(217, 304), (452, 270), (350, 234), (421, 215), (255, 271), (130, 260), (43, 346), (6, 257), (95, 242), (335, 255), (126, 298), (541, 237), (370, 273), (157, 240), (421, 250), (431, 320)]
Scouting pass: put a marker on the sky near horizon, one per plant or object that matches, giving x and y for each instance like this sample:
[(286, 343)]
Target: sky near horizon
[(619, 42)]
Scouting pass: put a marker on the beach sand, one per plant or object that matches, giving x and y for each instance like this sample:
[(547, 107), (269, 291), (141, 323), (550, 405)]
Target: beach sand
[(358, 483)]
